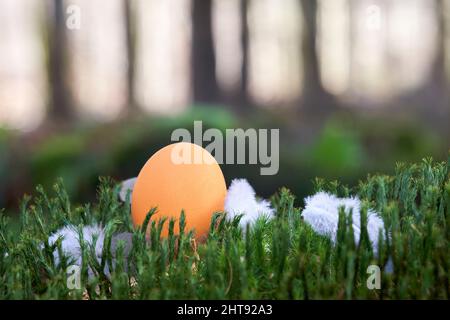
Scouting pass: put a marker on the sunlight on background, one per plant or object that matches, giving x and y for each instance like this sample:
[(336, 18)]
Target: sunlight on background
[(275, 70), (375, 49), (410, 55), (22, 65), (98, 61), (227, 42), (369, 52), (162, 81), (369, 45), (333, 45)]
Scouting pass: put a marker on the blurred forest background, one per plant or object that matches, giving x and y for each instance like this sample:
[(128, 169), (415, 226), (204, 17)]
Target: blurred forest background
[(92, 88)]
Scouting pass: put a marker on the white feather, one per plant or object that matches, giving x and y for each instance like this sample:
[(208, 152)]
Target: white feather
[(322, 213), (241, 199), (125, 187), (70, 242)]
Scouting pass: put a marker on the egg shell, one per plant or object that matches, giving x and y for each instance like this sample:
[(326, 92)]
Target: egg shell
[(196, 185)]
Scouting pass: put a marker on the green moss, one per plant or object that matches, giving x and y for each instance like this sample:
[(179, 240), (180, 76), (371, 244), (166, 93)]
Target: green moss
[(278, 259)]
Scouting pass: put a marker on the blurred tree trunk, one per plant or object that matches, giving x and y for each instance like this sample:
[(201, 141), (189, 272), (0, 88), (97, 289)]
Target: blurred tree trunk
[(239, 98), (437, 79), (130, 39), (436, 107), (438, 75), (316, 100), (60, 108), (204, 82), (243, 92)]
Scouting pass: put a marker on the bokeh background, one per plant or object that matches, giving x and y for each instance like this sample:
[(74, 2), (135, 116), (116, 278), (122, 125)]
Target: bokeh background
[(92, 88)]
